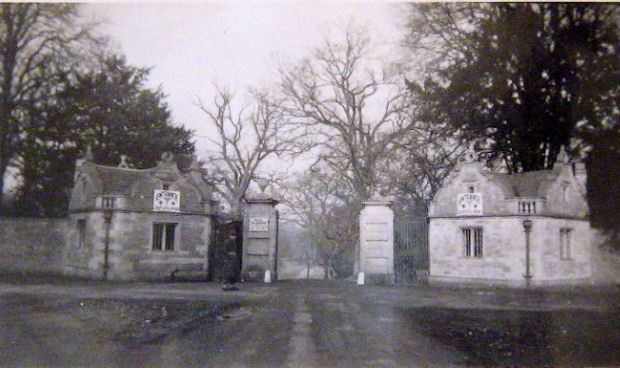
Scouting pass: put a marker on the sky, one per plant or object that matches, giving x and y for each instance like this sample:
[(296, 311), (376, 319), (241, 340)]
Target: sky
[(191, 46)]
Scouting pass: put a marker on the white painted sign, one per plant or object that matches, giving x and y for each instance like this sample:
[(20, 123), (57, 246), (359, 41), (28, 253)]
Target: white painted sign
[(259, 224), (469, 204), (166, 200)]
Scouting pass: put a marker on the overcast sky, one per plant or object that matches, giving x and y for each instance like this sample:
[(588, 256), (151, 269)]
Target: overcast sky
[(192, 45)]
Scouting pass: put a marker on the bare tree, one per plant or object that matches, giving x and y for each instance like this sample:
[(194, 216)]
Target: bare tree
[(35, 38), (322, 204), (351, 108), (424, 159), (245, 138)]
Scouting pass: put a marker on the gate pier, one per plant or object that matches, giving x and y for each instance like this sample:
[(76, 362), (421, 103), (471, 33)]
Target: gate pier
[(260, 239), (376, 254)]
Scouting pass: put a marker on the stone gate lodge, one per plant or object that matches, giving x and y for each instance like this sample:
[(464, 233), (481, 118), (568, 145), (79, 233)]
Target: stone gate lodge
[(497, 228), (129, 224), (484, 227)]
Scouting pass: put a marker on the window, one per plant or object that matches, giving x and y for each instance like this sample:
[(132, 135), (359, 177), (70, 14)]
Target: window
[(163, 236), (472, 238), (565, 243), (81, 231), (566, 191), (165, 187), (108, 202)]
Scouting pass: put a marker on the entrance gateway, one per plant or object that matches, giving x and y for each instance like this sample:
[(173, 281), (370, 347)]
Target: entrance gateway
[(246, 250), (390, 251), (260, 240)]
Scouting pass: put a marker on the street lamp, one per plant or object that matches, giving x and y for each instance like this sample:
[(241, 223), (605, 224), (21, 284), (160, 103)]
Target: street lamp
[(527, 226)]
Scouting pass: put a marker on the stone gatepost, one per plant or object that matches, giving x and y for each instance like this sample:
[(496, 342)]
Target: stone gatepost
[(260, 240), (376, 253)]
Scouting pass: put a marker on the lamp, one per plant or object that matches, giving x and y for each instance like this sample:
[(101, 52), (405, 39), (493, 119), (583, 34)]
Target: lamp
[(527, 226)]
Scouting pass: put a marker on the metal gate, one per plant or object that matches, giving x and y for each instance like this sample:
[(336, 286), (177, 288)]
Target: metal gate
[(226, 250), (410, 248)]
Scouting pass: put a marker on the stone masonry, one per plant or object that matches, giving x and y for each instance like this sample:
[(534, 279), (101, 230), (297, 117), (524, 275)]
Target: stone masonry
[(260, 239), (376, 258), (478, 218)]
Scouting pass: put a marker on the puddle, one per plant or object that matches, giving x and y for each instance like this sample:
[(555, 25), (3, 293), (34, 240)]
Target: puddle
[(237, 314)]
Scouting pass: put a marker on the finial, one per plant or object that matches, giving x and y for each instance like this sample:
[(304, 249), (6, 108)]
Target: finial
[(262, 183), (89, 153), (88, 157), (470, 155), (123, 163), (562, 156), (167, 157)]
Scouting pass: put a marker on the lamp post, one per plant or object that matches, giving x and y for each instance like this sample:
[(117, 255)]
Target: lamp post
[(527, 226), (107, 219)]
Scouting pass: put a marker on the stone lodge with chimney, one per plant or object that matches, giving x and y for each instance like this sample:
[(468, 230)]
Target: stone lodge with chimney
[(516, 229), (137, 224)]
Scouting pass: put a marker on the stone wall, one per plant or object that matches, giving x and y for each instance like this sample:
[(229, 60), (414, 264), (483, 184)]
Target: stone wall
[(605, 260), (504, 251), (32, 245), (260, 247), (130, 254), (444, 202), (546, 245), (377, 242)]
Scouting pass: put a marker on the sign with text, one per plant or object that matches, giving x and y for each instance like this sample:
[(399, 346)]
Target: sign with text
[(259, 224), (469, 204), (166, 200)]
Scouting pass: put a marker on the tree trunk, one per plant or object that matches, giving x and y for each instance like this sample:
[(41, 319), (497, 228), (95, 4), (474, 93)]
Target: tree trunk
[(4, 164), (326, 270), (2, 172)]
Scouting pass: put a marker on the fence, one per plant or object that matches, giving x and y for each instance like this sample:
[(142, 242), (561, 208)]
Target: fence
[(410, 248)]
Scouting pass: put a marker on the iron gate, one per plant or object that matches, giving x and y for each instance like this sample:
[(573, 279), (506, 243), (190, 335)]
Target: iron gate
[(410, 248), (226, 251)]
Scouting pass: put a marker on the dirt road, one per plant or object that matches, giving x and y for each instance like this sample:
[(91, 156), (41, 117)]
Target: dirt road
[(299, 324)]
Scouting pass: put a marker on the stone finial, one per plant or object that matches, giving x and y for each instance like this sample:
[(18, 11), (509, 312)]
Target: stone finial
[(167, 157), (88, 156), (470, 155), (89, 153), (123, 164), (263, 183), (562, 156)]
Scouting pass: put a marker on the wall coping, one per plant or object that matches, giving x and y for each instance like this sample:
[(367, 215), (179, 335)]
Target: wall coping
[(267, 200), (524, 216), (378, 202), (205, 214)]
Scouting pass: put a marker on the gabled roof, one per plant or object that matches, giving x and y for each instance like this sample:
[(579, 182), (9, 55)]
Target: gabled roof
[(116, 180), (531, 184)]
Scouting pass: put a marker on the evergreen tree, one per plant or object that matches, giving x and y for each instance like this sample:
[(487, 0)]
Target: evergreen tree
[(523, 79), (108, 109)]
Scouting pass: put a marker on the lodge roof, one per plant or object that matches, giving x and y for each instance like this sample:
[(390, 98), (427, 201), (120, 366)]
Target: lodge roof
[(117, 180), (121, 180), (531, 184)]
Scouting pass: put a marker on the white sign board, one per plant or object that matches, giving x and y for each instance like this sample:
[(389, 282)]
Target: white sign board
[(259, 224), (166, 200), (469, 204)]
